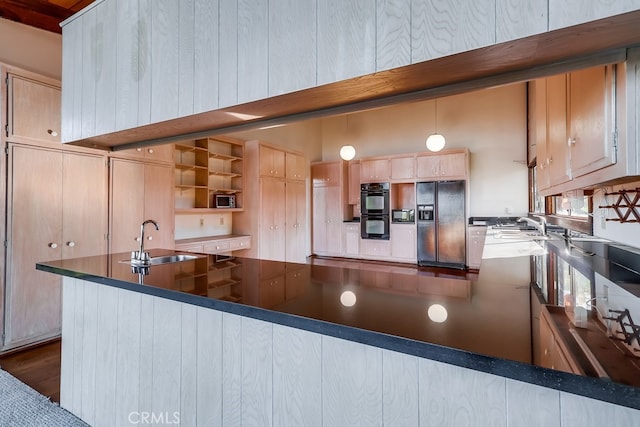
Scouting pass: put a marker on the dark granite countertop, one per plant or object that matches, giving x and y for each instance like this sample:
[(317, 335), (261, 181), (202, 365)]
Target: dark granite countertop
[(488, 322)]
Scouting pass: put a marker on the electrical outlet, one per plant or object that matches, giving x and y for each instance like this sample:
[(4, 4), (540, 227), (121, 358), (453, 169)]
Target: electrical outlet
[(201, 222), (221, 220), (603, 222)]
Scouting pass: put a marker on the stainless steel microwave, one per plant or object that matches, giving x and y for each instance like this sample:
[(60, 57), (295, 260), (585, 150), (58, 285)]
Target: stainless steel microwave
[(403, 215), (224, 200)]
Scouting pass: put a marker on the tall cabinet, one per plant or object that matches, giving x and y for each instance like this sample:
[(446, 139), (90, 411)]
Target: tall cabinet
[(52, 214), (140, 191), (330, 191), (275, 200)]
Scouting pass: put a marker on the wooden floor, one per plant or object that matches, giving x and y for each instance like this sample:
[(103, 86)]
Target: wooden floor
[(38, 367)]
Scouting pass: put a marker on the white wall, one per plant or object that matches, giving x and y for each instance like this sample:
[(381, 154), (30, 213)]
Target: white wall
[(31, 48), (304, 136), (491, 123)]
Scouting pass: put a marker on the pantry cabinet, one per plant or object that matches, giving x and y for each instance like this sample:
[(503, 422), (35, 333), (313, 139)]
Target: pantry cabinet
[(272, 226), (329, 207), (140, 191), (275, 207), (295, 221), (33, 108), (52, 214)]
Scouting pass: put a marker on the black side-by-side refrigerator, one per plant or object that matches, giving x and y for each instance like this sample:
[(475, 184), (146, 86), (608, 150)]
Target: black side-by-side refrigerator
[(441, 223)]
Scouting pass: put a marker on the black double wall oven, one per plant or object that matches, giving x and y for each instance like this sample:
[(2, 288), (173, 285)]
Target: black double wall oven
[(374, 210)]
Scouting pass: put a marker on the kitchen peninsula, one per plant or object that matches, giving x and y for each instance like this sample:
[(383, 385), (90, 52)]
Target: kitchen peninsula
[(238, 340)]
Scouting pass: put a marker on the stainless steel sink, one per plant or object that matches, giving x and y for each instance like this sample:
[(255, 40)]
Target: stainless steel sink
[(167, 259)]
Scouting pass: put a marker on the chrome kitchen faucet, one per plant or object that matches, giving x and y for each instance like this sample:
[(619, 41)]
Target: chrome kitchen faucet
[(141, 257)]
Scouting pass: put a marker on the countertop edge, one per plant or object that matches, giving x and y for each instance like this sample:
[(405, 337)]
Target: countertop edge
[(594, 388)]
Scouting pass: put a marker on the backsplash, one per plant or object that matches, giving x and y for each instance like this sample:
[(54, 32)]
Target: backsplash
[(190, 226)]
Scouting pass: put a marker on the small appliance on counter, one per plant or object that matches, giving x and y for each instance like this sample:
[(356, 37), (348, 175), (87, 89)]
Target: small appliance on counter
[(224, 201), (403, 215)]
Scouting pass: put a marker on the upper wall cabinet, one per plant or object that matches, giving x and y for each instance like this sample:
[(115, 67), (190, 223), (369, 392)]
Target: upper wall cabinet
[(591, 117), (578, 125), (33, 109), (374, 170), (452, 164)]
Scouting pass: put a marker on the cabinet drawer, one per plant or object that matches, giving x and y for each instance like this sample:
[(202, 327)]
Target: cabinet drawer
[(190, 247), (216, 247), (240, 243)]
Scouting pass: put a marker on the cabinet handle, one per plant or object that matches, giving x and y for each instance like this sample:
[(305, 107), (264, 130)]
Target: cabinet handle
[(52, 132), (150, 151), (571, 141), (150, 238), (217, 247), (138, 149), (276, 227), (71, 243), (53, 245), (137, 239)]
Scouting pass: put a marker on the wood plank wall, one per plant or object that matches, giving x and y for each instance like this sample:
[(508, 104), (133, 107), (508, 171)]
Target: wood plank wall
[(174, 59), (125, 354)]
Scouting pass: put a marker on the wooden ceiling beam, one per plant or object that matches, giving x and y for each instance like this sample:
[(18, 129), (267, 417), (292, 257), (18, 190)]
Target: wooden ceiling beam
[(39, 14)]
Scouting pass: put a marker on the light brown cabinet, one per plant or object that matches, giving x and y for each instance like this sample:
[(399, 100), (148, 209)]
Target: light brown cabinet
[(140, 191), (591, 117), (476, 236), (296, 166), (272, 162), (378, 249), (574, 123), (326, 174), (351, 244), (557, 150), (553, 352), (157, 153), (354, 183), (296, 221), (329, 206), (403, 168), (275, 210), (52, 214), (33, 109), (374, 170), (443, 166), (272, 228), (327, 220), (403, 242)]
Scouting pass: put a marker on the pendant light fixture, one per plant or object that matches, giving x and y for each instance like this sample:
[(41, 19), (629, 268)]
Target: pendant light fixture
[(347, 152), (435, 141)]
